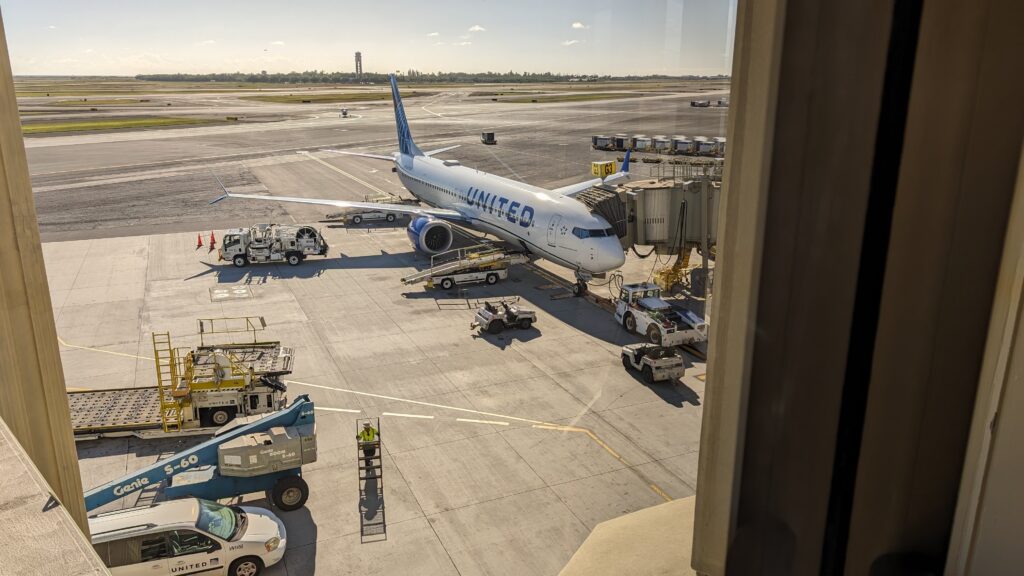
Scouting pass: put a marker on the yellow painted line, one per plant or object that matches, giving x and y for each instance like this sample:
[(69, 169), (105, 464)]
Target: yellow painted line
[(343, 173), (589, 433), (661, 493), (701, 377), (63, 343), (481, 421), (72, 389)]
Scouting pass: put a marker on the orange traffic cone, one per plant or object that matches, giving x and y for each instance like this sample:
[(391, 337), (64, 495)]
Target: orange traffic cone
[(213, 242), (199, 241)]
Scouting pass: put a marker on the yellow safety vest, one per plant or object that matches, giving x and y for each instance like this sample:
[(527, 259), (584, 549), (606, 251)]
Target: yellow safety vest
[(367, 435)]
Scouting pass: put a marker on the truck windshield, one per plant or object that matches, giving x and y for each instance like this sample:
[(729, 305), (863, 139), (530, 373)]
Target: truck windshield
[(225, 522)]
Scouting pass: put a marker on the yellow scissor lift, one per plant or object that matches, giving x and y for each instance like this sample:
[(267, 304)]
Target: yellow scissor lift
[(231, 373)]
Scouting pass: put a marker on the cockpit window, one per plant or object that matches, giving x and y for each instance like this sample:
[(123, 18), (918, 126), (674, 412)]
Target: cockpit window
[(597, 233)]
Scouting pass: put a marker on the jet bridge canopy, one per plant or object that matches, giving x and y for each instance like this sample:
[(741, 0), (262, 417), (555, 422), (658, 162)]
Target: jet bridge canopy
[(605, 202)]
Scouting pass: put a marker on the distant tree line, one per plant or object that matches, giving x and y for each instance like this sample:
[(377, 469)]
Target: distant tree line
[(411, 76)]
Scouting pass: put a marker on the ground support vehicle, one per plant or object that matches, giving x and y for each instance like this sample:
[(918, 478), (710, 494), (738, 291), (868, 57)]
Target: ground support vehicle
[(263, 243), (197, 390), (656, 363), (262, 455), (640, 309), (191, 536), (472, 265), (357, 217), (497, 317)]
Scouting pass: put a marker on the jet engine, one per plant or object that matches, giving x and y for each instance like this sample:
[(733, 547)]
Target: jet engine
[(429, 235)]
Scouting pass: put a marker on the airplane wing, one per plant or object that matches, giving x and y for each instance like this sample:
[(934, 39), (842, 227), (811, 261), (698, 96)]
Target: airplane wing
[(574, 189), (362, 154), (439, 213), (439, 150)]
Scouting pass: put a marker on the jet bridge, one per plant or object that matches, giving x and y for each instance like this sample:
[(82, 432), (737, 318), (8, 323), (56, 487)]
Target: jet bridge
[(674, 211)]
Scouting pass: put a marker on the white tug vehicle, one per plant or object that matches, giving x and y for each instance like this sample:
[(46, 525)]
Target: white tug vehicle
[(656, 363), (495, 318), (263, 243), (641, 310)]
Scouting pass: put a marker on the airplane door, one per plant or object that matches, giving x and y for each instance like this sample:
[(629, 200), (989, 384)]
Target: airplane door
[(553, 230)]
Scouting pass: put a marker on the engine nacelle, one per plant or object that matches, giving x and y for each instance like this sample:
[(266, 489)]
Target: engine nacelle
[(429, 235)]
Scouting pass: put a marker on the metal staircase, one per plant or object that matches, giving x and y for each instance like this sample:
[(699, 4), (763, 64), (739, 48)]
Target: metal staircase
[(373, 525), (167, 381)]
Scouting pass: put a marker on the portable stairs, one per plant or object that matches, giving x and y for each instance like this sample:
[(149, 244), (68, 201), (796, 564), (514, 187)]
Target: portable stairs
[(480, 257), (168, 381), (373, 525)]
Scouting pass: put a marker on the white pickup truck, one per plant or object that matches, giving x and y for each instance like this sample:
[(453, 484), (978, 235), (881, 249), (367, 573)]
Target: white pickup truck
[(641, 310)]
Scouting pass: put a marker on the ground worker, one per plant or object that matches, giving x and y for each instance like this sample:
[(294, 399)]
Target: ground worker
[(366, 436)]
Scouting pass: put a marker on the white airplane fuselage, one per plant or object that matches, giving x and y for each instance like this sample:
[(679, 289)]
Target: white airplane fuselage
[(546, 223)]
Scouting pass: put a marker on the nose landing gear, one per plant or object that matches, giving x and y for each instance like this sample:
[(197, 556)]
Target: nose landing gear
[(580, 287)]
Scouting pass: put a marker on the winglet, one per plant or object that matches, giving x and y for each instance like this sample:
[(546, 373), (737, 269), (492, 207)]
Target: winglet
[(226, 194), (625, 162)]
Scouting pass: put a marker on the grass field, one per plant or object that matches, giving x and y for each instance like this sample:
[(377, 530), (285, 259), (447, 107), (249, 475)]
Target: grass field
[(111, 124), (98, 102), (332, 98), (573, 97)]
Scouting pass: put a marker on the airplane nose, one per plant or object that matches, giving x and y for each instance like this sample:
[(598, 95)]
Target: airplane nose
[(612, 255)]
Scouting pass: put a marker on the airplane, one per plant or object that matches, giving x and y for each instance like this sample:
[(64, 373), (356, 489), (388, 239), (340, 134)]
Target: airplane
[(548, 224)]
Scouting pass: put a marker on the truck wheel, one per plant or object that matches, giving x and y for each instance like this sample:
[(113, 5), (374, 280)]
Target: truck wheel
[(492, 278), (654, 334), (626, 363), (495, 327), (289, 493), (216, 416), (239, 261), (247, 566), (294, 259), (447, 283), (525, 323), (390, 217), (629, 323), (357, 220), (220, 417), (648, 375)]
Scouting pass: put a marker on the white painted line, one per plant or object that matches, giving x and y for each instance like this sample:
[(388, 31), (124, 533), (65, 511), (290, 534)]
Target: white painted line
[(482, 421), (406, 415), (337, 409), (417, 402)]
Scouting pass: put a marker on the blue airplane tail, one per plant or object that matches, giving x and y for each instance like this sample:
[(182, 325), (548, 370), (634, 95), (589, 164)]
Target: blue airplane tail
[(405, 144), (625, 162)]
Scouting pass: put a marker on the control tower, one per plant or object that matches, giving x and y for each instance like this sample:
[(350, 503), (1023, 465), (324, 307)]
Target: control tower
[(359, 63)]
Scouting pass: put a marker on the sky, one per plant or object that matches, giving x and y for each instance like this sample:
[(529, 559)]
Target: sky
[(124, 38)]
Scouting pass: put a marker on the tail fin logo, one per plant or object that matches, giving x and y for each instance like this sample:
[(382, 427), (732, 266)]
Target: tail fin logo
[(405, 143)]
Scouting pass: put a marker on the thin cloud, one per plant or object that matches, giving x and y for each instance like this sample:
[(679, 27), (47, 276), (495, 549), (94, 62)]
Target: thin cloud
[(438, 43), (51, 27), (277, 43), (477, 28), (206, 42), (89, 50), (579, 26), (570, 42), (467, 43), (434, 34)]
